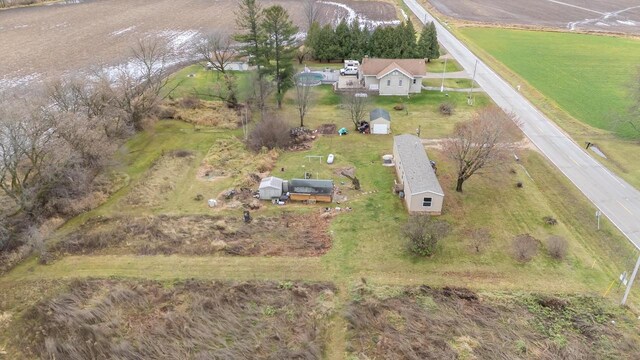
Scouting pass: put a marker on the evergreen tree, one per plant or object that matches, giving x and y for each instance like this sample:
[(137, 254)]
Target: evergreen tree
[(343, 41), (360, 39), (383, 42), (280, 48), (311, 41), (408, 45), (433, 51), (422, 46), (252, 40), (326, 44)]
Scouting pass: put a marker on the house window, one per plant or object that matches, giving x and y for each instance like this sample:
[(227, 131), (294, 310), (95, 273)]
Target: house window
[(414, 81), (388, 82), (400, 83), (426, 202)]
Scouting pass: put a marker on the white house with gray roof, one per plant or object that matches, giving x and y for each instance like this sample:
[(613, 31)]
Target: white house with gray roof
[(422, 191)]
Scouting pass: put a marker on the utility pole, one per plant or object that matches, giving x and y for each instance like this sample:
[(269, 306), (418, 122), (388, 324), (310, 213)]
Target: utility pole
[(598, 213), (473, 81), (443, 72), (630, 283)]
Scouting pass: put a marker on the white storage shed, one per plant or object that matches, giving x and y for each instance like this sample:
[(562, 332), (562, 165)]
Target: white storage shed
[(270, 188), (380, 121)]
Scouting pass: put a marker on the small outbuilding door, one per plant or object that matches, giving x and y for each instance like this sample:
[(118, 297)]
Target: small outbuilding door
[(380, 129)]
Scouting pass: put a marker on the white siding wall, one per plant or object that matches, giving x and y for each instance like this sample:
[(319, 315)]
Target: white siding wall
[(269, 193), (370, 80), (415, 201), (417, 87), (395, 83)]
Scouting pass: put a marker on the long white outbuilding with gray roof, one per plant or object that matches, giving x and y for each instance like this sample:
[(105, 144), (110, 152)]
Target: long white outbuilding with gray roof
[(422, 190)]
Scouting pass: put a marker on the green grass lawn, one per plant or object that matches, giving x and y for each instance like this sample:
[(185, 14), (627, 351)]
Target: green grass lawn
[(449, 83), (437, 66), (587, 75), (197, 81), (420, 110)]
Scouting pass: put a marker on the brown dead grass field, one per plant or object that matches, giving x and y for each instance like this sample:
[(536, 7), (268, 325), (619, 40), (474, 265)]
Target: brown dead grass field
[(45, 42), (621, 16), (100, 319), (455, 323), (290, 234)]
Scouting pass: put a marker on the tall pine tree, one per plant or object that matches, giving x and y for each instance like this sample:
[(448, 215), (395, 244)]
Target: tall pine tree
[(280, 48), (252, 40), (344, 41), (433, 51), (408, 48)]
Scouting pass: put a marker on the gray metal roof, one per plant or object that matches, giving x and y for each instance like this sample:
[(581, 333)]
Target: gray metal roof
[(311, 186), (416, 165), (379, 113), (271, 182)]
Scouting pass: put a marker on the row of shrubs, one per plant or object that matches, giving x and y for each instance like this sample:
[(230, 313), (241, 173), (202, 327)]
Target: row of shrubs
[(423, 233)]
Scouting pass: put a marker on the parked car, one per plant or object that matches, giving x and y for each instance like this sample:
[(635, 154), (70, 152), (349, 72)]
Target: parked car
[(349, 70)]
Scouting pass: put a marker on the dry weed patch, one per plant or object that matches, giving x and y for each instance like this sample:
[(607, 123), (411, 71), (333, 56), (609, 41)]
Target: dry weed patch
[(205, 113), (105, 319), (151, 190), (451, 323), (289, 235), (229, 157)]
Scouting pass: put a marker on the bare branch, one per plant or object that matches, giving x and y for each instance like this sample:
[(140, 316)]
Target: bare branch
[(358, 107), (481, 142), (311, 12), (303, 97), (217, 51)]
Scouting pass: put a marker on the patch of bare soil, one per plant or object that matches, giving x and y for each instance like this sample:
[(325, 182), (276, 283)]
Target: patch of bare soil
[(161, 178), (108, 319), (622, 16), (46, 42), (328, 129), (287, 235), (452, 323)]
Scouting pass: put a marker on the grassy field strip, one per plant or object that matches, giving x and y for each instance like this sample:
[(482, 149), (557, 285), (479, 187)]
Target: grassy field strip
[(587, 75), (172, 267), (481, 277)]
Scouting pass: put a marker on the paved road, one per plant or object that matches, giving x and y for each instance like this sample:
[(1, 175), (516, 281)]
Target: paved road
[(618, 200)]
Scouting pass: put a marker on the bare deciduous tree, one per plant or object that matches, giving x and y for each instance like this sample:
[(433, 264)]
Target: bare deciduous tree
[(217, 51), (357, 105), (26, 148), (137, 89), (260, 89), (303, 97), (481, 143), (311, 12)]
